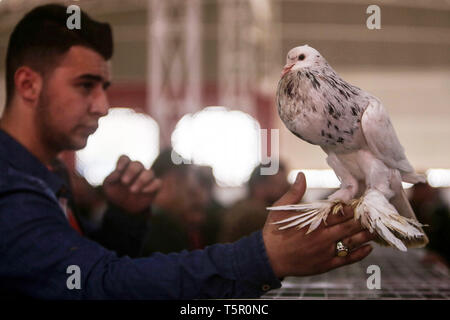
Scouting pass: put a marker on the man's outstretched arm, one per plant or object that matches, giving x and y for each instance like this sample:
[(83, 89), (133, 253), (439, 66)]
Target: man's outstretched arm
[(38, 246)]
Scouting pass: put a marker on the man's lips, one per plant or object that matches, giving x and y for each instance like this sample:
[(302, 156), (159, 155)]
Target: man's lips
[(286, 69)]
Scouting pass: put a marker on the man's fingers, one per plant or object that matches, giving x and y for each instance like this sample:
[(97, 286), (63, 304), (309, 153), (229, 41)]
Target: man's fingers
[(292, 196), (153, 186), (355, 241), (122, 163), (134, 175), (131, 173), (295, 192), (337, 218), (352, 257), (113, 177), (344, 230), (145, 178)]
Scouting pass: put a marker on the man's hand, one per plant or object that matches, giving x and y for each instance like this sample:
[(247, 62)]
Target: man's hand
[(292, 252), (130, 186)]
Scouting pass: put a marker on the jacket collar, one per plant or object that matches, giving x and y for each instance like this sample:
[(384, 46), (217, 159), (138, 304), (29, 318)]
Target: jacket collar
[(18, 157)]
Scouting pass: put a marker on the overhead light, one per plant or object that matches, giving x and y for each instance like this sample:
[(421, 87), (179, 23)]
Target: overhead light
[(226, 140), (438, 177)]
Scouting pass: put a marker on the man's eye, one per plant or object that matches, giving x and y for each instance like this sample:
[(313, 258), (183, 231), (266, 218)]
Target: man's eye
[(87, 85)]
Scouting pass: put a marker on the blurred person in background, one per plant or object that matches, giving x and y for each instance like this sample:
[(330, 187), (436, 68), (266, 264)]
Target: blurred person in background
[(212, 206), (250, 214), (432, 210), (179, 209), (56, 92)]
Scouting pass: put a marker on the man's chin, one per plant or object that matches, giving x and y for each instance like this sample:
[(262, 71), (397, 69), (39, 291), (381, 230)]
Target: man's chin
[(78, 144)]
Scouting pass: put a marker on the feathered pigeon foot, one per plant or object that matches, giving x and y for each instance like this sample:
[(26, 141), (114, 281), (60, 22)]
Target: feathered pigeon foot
[(311, 214), (377, 214)]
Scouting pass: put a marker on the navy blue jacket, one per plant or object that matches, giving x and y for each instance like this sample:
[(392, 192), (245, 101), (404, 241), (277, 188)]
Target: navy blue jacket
[(38, 246)]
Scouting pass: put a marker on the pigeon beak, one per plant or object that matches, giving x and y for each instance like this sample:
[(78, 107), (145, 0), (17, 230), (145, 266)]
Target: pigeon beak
[(286, 69)]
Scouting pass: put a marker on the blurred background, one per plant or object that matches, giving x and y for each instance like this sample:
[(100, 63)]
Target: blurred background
[(200, 77)]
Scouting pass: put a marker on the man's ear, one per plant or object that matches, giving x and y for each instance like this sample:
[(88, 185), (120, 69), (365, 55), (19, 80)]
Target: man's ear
[(28, 84)]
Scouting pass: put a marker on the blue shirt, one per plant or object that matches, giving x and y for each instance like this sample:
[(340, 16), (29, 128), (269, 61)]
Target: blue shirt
[(38, 246)]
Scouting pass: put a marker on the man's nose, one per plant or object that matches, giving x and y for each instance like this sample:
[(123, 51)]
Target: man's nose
[(100, 104)]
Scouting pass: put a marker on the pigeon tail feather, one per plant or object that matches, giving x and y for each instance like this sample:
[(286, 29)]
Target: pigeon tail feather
[(311, 214), (378, 215)]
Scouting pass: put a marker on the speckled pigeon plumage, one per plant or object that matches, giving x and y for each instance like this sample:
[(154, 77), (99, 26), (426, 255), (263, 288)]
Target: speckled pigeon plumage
[(355, 131)]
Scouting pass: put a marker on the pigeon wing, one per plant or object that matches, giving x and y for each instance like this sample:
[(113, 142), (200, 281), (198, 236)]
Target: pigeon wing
[(382, 139), (384, 144)]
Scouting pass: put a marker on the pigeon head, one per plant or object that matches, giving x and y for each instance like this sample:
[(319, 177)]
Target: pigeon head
[(302, 57)]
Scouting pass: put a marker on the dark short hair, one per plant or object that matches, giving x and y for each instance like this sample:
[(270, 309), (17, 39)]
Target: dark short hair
[(163, 164), (41, 38)]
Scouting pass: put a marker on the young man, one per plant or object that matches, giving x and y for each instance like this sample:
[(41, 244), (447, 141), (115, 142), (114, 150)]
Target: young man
[(56, 82)]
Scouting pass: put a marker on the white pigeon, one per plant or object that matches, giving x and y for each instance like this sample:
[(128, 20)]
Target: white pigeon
[(354, 130)]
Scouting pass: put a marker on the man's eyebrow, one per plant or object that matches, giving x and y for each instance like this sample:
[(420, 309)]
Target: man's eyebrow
[(95, 77)]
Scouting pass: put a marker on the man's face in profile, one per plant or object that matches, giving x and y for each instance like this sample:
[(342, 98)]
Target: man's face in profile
[(73, 98)]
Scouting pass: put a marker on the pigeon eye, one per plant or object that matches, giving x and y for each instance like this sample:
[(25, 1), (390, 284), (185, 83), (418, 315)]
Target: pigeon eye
[(301, 57)]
